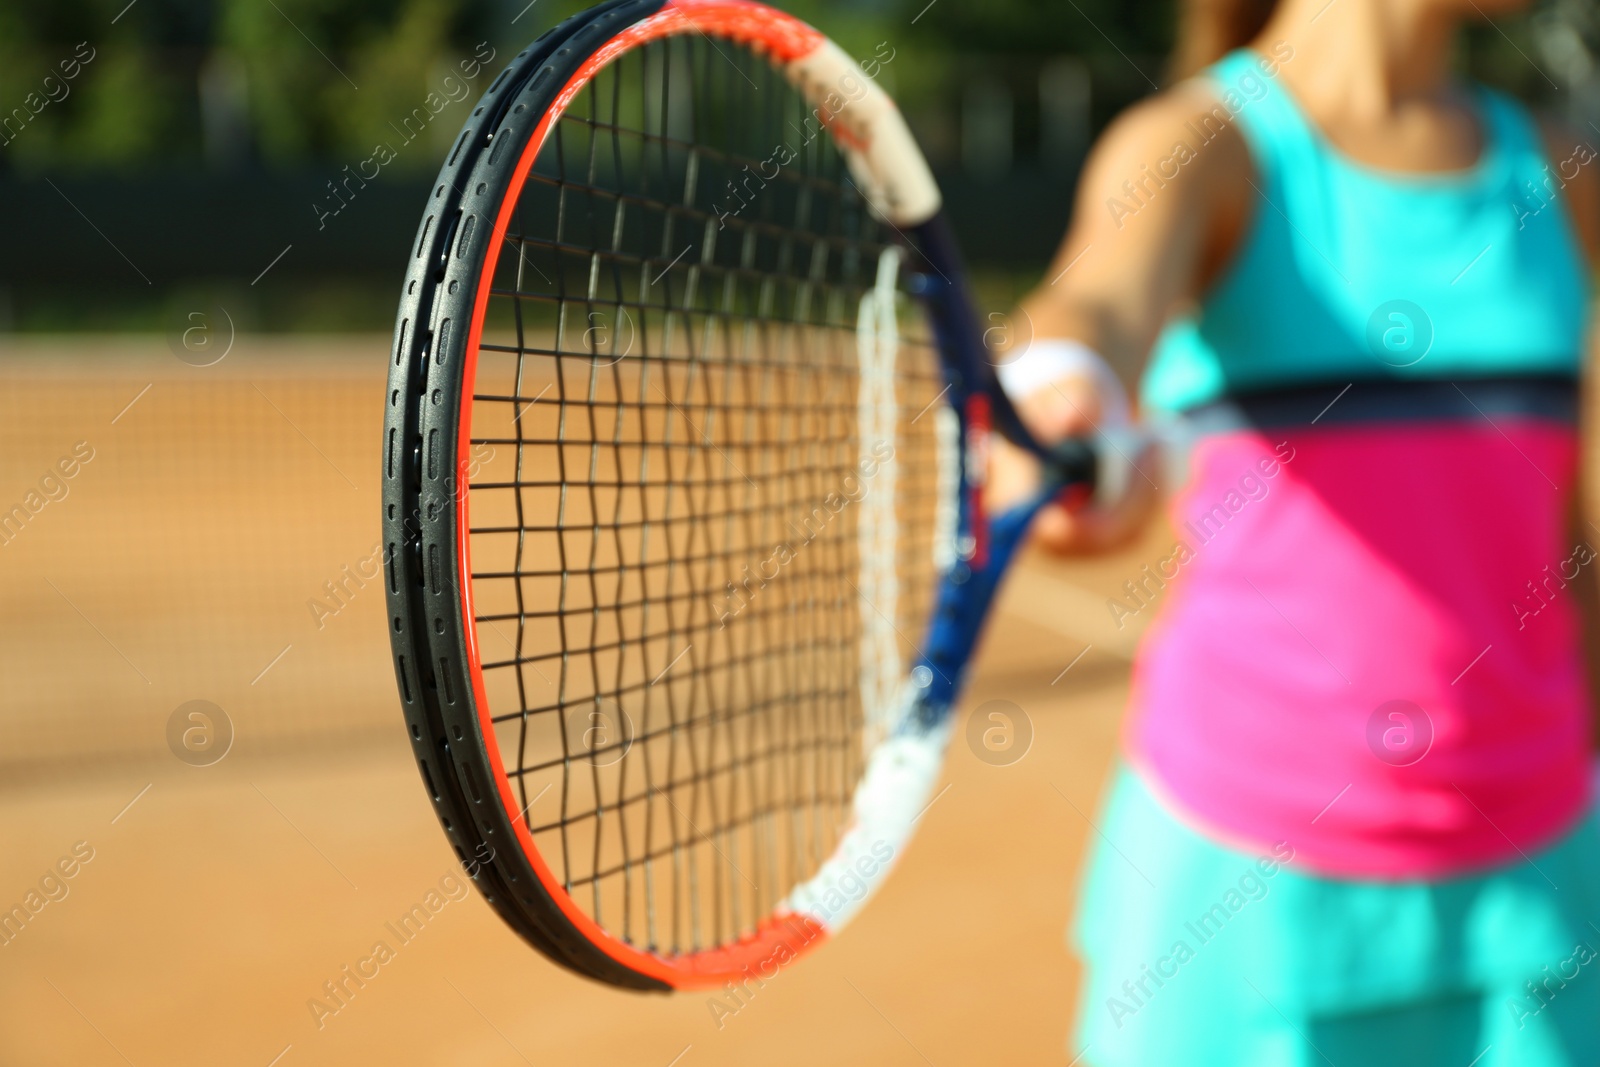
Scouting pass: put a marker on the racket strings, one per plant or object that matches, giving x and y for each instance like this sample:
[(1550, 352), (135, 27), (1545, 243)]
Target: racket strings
[(668, 439)]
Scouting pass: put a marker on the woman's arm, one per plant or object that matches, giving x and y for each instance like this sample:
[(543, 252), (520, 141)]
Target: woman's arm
[(1157, 215), (1583, 204)]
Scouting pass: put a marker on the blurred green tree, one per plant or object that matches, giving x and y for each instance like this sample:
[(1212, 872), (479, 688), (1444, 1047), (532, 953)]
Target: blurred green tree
[(328, 77), (283, 83)]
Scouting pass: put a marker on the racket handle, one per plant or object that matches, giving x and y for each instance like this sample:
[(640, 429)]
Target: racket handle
[(1074, 461)]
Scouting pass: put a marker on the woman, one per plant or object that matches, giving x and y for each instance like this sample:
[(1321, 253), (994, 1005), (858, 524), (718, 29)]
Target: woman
[(1353, 824)]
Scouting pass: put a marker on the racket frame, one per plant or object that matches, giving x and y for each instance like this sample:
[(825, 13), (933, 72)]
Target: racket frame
[(427, 454)]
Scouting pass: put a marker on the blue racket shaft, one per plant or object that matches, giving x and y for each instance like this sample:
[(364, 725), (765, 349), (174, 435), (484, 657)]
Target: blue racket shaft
[(967, 590)]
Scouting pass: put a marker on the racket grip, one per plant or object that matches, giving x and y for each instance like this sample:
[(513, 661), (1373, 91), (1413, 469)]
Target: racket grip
[(1075, 461)]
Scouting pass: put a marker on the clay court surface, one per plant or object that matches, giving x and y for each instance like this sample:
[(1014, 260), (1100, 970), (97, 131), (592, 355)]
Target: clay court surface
[(180, 565)]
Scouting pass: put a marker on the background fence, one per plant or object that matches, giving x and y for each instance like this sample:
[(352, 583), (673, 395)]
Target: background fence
[(164, 152), (206, 511)]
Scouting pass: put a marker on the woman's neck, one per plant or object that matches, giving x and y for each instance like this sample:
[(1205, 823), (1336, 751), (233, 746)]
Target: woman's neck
[(1365, 58)]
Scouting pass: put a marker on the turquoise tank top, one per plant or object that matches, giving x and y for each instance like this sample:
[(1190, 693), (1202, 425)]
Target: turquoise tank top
[(1369, 602), (1348, 273)]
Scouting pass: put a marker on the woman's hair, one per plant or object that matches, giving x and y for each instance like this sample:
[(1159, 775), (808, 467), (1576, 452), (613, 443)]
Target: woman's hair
[(1210, 29)]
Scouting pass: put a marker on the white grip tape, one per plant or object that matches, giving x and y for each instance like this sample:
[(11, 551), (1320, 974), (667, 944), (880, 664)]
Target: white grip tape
[(877, 144)]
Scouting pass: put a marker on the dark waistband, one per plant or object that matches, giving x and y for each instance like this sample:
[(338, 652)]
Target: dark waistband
[(1552, 398)]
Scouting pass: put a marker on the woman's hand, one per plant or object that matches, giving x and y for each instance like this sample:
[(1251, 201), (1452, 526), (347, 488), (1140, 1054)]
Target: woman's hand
[(1069, 407)]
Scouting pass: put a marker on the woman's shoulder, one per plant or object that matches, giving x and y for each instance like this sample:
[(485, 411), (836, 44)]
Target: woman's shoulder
[(1180, 138), (1170, 172)]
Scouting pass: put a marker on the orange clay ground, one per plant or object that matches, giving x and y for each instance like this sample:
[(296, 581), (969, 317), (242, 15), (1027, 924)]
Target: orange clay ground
[(179, 565)]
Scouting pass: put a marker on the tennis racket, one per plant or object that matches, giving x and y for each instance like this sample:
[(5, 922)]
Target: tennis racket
[(682, 491)]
